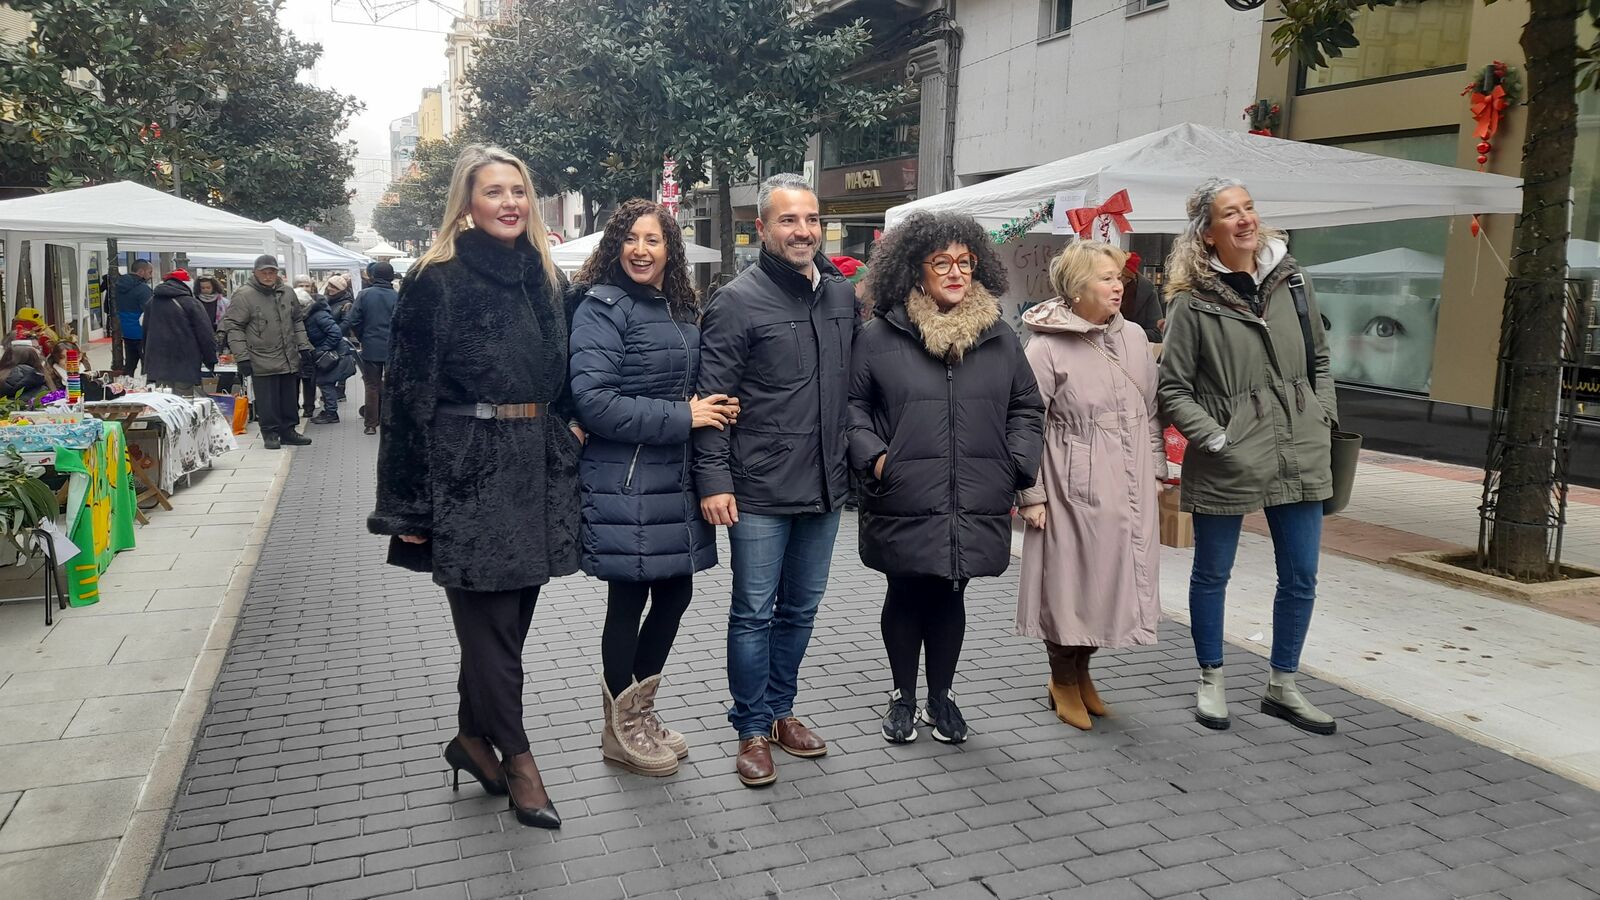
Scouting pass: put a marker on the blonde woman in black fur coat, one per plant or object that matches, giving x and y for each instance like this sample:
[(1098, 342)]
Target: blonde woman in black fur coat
[(477, 469)]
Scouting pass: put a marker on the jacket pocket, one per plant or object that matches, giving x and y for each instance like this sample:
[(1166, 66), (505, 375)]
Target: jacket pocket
[(1080, 471), (784, 353), (766, 460)]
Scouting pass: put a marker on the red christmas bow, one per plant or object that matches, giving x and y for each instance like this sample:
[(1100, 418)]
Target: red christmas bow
[(1117, 207), (1486, 111)]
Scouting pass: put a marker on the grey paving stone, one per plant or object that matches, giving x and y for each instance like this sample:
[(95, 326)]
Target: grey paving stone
[(317, 774)]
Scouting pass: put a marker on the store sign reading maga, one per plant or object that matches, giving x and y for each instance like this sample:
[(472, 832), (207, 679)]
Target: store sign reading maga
[(864, 180)]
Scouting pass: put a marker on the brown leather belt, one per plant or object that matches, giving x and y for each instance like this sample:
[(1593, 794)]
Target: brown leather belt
[(493, 410)]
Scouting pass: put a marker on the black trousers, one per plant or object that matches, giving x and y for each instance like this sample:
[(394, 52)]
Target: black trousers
[(275, 402), (308, 395), (629, 652), (132, 350), (372, 380), (491, 627), (924, 615)]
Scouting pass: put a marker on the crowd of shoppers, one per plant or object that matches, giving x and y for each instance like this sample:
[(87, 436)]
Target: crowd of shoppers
[(531, 428)]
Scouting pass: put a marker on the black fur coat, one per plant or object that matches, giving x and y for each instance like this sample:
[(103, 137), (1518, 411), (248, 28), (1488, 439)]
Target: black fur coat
[(498, 499)]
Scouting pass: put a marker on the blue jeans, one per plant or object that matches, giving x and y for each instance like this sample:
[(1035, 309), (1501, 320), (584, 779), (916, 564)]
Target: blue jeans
[(1296, 535), (780, 572)]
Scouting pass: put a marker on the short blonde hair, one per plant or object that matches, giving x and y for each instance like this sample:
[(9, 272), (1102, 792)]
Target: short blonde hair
[(1074, 266)]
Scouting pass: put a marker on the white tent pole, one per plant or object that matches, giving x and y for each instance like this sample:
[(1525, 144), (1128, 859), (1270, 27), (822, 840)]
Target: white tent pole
[(36, 247), (13, 272)]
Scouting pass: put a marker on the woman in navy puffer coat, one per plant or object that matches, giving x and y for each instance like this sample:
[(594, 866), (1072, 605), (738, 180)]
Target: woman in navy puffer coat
[(635, 359)]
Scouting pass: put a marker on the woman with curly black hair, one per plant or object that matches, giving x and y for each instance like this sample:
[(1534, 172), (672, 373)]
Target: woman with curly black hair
[(635, 359), (945, 428)]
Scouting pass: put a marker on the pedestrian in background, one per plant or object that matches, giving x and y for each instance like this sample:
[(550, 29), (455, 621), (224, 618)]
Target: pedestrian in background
[(1089, 553), (370, 322), (212, 299), (944, 429), (179, 340), (477, 467), (332, 357), (24, 374), (635, 358), (133, 295), (1236, 380), (1141, 302), (306, 293), (778, 338), (341, 304), (267, 334)]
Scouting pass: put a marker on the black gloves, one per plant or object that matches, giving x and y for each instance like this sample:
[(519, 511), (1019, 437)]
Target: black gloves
[(245, 369)]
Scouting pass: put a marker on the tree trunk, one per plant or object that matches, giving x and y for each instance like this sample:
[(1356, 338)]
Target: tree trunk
[(719, 177), (108, 307), (1535, 293)]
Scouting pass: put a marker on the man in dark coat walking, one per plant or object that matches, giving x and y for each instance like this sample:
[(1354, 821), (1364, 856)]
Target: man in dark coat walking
[(133, 295), (371, 322), (778, 338), (267, 334), (178, 338)]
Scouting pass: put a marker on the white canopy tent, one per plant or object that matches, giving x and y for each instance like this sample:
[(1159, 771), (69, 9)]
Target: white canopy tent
[(571, 255), (1399, 262), (1294, 184), (138, 217), (384, 250), (321, 255)]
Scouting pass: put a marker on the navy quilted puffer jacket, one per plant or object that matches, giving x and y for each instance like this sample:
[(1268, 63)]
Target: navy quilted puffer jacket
[(633, 368)]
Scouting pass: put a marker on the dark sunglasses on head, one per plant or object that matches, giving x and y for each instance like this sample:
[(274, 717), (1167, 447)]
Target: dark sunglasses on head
[(944, 262)]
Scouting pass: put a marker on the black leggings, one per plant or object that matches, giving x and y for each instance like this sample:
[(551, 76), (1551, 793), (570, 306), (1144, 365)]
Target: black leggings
[(928, 615), (629, 652)]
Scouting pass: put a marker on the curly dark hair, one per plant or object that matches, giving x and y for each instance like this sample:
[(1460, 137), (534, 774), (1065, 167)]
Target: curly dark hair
[(214, 283), (895, 268), (605, 263)]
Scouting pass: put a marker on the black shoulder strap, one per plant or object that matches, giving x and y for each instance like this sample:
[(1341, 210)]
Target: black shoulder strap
[(1302, 308)]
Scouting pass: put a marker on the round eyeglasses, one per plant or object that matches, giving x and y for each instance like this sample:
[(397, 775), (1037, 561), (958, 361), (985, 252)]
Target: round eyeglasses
[(944, 262)]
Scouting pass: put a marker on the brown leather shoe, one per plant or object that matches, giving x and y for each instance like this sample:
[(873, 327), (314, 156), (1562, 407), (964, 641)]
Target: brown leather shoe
[(797, 740), (754, 764)]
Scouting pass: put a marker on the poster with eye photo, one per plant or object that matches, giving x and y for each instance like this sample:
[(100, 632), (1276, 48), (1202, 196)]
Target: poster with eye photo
[(1381, 312)]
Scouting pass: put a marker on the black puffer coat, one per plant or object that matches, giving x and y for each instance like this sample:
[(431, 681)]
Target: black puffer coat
[(178, 338), (782, 347), (633, 369), (961, 437), (498, 498)]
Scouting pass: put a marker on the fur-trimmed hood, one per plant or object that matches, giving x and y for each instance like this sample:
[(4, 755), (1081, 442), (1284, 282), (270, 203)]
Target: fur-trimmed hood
[(948, 335)]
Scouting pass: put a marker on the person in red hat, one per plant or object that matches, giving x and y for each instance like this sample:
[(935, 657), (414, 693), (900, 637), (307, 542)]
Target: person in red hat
[(1142, 302), (855, 272), (179, 340)]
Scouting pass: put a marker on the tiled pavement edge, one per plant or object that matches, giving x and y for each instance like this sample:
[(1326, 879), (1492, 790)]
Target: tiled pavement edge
[(317, 775)]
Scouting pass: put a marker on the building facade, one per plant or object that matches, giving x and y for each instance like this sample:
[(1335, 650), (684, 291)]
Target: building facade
[(430, 115), (402, 145)]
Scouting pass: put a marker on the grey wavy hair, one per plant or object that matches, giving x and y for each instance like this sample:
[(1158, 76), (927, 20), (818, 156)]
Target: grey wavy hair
[(783, 181), (1191, 256)]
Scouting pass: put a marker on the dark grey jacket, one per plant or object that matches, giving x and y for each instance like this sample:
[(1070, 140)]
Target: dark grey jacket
[(782, 348), (1141, 305), (178, 338), (372, 320), (961, 439)]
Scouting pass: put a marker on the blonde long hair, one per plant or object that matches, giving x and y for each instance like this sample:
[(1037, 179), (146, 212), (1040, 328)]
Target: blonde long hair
[(474, 157), (1190, 257)]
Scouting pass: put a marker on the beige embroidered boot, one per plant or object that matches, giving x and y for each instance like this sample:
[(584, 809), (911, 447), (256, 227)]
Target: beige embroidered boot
[(665, 736), (626, 741)]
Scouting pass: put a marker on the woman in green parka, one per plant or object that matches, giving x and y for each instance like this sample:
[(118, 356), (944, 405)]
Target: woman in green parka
[(1251, 390)]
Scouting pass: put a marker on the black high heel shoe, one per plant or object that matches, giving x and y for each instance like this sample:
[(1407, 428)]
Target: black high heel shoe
[(537, 817), (455, 753)]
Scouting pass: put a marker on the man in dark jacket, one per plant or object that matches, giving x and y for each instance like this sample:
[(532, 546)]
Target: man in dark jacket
[(777, 337), (267, 334), (178, 338), (133, 295), (1142, 302), (370, 322)]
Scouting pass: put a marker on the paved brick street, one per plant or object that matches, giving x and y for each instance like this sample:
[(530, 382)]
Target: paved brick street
[(317, 773)]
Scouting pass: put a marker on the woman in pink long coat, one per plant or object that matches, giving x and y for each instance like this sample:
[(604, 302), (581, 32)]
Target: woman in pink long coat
[(1089, 554)]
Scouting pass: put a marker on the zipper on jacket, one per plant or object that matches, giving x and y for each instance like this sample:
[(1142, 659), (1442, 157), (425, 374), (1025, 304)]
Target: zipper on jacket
[(955, 506), (1299, 395), (628, 482)]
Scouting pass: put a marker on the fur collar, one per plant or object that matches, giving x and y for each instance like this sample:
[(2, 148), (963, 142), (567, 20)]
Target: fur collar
[(949, 335), (497, 262), (1211, 283)]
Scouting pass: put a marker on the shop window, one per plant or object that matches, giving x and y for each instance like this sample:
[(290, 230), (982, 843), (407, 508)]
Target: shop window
[(1583, 251), (1397, 41), (1378, 285), (897, 136), (782, 165), (1057, 15)]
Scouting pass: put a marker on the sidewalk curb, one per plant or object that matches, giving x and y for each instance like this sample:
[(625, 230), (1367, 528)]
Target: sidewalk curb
[(1355, 686), (140, 845)]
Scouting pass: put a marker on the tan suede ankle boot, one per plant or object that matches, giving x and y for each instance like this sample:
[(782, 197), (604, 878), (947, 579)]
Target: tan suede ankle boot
[(1065, 696)]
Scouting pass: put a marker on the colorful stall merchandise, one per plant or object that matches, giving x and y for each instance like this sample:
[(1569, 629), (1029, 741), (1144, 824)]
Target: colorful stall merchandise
[(100, 510)]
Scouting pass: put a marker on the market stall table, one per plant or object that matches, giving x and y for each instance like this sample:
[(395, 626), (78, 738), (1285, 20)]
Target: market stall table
[(191, 431)]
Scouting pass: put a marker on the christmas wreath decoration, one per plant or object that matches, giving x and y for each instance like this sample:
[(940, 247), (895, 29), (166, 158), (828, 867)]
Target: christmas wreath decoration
[(1497, 88), (1265, 116)]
